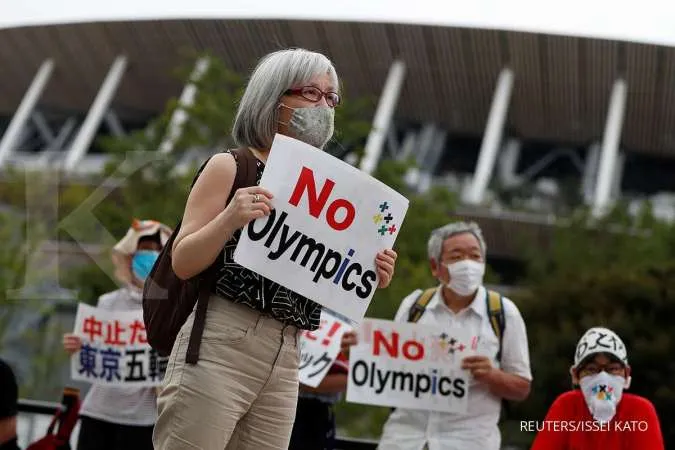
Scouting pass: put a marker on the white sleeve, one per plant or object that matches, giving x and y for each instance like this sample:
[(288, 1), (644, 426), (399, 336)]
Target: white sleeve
[(515, 348), (406, 304), (107, 300)]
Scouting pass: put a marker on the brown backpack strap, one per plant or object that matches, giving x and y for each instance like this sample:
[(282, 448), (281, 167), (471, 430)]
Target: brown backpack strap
[(246, 170), (192, 354), (245, 176)]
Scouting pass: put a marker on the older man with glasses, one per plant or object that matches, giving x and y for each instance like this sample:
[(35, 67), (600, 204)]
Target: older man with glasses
[(499, 369), (597, 413)]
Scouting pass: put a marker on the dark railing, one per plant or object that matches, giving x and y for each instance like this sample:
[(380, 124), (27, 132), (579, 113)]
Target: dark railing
[(38, 407), (354, 444), (49, 408)]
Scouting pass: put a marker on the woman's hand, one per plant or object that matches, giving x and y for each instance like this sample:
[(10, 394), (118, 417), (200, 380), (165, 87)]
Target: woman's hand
[(72, 343), (248, 204), (385, 261), (349, 338)]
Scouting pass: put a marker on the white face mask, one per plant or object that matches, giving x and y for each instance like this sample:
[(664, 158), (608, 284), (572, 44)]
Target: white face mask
[(312, 125), (602, 393), (466, 276)]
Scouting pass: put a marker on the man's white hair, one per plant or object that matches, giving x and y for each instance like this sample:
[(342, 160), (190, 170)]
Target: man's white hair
[(439, 235), (256, 121)]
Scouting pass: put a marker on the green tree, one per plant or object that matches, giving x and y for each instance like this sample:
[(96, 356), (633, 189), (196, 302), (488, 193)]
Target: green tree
[(13, 262), (22, 298)]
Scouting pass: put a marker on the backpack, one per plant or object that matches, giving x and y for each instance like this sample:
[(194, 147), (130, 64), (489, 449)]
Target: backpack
[(495, 308), (168, 301), (66, 417)]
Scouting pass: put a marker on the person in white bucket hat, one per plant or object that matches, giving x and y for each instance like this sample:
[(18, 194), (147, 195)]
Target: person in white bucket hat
[(112, 417), (135, 254), (598, 413)]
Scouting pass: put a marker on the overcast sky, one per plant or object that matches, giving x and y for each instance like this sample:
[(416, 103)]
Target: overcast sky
[(649, 21)]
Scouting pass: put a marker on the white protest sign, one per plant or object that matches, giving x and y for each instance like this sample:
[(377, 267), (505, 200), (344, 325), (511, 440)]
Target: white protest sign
[(406, 365), (115, 349), (319, 348), (329, 222)]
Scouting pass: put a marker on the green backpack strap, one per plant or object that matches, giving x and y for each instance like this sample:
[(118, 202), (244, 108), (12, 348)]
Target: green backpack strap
[(495, 308), (420, 305)]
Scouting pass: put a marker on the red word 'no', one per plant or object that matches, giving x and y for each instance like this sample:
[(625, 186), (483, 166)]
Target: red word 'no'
[(306, 183)]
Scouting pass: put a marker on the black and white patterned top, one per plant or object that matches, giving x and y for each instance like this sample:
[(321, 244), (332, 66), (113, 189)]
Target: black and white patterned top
[(241, 285)]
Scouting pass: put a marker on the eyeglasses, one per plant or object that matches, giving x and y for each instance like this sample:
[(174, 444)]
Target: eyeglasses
[(612, 369), (314, 94), (455, 257)]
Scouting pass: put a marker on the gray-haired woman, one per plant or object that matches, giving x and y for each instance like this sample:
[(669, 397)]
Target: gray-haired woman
[(243, 392)]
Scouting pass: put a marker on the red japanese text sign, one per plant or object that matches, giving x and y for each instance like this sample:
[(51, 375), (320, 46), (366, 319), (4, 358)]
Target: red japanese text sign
[(114, 349), (319, 348)]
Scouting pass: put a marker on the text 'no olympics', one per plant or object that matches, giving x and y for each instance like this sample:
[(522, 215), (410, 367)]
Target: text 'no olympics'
[(302, 249)]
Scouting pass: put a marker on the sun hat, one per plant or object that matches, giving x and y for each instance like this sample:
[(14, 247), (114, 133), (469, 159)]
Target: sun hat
[(140, 228)]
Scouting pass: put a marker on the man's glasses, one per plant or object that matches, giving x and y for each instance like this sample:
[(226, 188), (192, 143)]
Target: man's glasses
[(592, 369), (314, 94)]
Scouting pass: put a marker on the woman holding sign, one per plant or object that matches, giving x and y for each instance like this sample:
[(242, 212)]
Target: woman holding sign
[(242, 393)]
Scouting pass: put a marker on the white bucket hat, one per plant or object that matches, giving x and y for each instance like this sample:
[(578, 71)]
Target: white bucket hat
[(122, 251), (600, 340), (140, 228)]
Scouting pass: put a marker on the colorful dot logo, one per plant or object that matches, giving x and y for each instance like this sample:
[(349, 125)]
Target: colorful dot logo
[(384, 220), (450, 344), (603, 392)]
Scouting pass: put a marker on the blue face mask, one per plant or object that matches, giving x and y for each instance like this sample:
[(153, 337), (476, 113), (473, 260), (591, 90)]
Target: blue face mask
[(142, 262)]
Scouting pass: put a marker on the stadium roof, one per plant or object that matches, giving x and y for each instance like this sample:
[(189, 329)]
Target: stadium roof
[(651, 22), (562, 84)]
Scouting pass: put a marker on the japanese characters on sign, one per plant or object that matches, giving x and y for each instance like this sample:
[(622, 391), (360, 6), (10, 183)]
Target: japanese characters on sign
[(114, 349), (319, 348), (409, 365), (328, 223)]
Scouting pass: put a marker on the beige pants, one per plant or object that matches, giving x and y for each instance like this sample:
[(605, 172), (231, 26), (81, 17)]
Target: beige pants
[(242, 394)]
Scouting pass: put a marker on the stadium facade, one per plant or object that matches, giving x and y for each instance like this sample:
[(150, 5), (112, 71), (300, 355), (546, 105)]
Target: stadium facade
[(521, 125)]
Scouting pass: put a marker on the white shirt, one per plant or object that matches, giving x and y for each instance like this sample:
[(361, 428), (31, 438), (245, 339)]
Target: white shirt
[(477, 430), (124, 405)]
